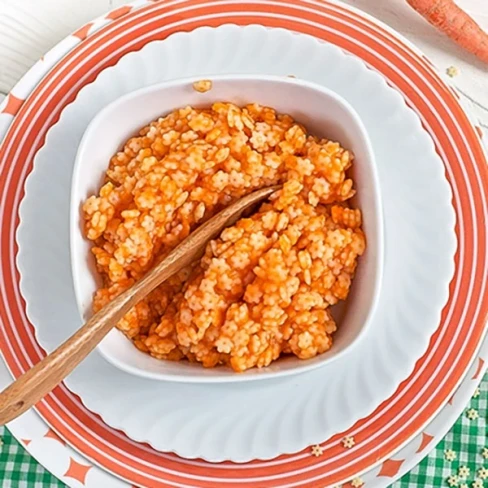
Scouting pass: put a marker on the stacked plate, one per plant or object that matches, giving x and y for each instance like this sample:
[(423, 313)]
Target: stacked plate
[(430, 322)]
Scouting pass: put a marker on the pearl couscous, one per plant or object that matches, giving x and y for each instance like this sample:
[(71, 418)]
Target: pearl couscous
[(263, 288)]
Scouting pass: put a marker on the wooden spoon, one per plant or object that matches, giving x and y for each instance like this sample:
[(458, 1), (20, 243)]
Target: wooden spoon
[(34, 384)]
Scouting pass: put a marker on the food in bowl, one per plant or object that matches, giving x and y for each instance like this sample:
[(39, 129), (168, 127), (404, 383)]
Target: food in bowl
[(266, 286)]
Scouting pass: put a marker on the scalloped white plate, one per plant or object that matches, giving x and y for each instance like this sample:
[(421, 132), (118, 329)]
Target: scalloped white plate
[(265, 419)]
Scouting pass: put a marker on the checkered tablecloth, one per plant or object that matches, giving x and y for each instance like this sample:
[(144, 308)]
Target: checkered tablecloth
[(468, 440), (465, 446)]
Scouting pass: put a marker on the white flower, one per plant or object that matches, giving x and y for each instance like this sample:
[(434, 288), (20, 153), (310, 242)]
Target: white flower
[(449, 455), (317, 450), (453, 480), (452, 71), (483, 473), (348, 442), (472, 414)]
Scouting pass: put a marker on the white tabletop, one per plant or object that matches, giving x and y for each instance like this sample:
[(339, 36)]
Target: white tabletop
[(28, 28)]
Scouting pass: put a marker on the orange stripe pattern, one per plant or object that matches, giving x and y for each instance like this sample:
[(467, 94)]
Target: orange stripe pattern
[(463, 321)]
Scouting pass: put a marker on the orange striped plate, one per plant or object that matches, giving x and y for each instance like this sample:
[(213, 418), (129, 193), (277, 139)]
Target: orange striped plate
[(453, 347)]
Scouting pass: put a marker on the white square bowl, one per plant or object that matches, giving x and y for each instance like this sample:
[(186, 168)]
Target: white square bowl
[(323, 113)]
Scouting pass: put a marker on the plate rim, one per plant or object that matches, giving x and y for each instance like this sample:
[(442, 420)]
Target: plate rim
[(351, 10), (89, 90), (451, 412)]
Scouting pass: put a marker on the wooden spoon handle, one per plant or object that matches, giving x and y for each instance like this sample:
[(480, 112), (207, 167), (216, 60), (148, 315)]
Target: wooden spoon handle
[(37, 382)]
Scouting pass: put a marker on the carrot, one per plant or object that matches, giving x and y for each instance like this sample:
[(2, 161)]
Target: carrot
[(455, 23)]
